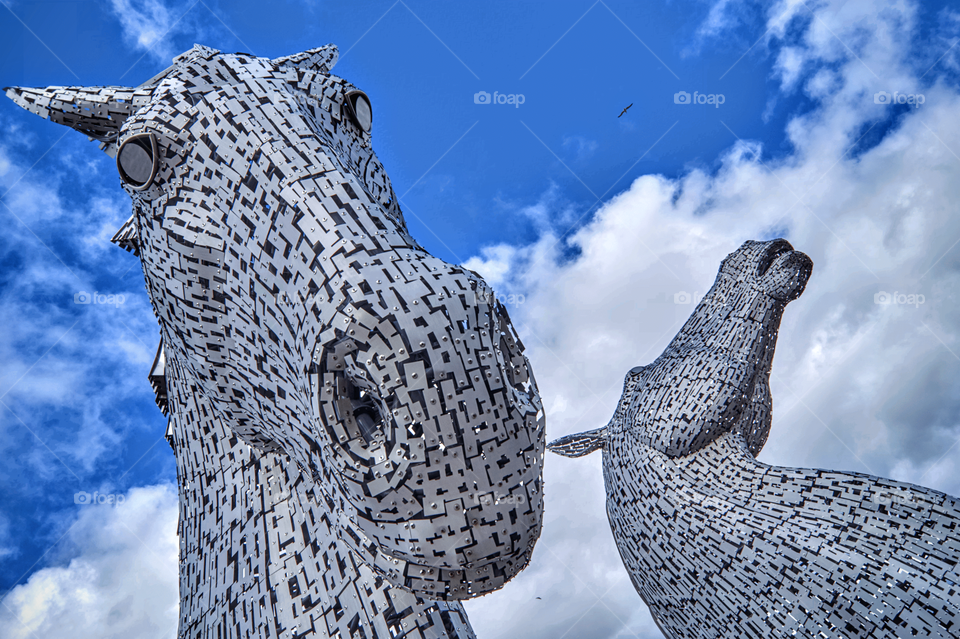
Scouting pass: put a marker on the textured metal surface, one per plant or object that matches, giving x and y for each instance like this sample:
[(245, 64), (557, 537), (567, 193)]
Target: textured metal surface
[(721, 545), (358, 434)]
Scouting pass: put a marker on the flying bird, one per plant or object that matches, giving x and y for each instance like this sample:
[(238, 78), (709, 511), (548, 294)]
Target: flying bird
[(625, 110)]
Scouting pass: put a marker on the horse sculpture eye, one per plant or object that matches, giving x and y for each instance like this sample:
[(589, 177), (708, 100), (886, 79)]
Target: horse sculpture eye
[(137, 160), (358, 104)]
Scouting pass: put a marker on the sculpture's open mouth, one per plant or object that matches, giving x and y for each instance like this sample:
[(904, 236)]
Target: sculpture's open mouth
[(783, 271), (775, 250)]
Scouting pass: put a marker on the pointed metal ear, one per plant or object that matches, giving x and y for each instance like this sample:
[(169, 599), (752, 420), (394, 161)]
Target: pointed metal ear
[(580, 444), (197, 52), (320, 60), (97, 112)]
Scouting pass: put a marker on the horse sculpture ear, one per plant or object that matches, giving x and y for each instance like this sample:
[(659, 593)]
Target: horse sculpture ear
[(580, 444), (320, 60), (97, 112)]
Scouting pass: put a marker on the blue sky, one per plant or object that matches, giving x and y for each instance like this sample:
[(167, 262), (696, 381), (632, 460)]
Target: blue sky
[(595, 222), (577, 65)]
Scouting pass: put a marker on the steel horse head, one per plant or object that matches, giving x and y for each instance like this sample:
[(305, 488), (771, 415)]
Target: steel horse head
[(314, 357)]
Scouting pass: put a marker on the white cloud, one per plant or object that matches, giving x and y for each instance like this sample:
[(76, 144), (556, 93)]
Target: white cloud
[(788, 66), (122, 582), (948, 38), (582, 148), (722, 18), (55, 355), (857, 386), (151, 25), (717, 21), (7, 546)]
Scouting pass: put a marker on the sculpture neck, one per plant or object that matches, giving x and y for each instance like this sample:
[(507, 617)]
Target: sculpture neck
[(708, 376)]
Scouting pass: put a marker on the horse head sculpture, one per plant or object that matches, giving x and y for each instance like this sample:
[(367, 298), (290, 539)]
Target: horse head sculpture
[(304, 330), (719, 544)]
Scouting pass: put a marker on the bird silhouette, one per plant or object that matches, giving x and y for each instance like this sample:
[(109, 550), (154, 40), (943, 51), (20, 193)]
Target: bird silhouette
[(625, 110)]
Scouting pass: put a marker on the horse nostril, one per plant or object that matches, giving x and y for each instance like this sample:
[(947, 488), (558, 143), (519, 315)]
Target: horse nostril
[(369, 421), (354, 412), (366, 412), (774, 249)]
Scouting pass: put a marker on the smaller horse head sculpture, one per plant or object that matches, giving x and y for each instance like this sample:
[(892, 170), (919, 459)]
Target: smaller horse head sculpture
[(724, 353), (719, 544), (714, 376), (289, 291)]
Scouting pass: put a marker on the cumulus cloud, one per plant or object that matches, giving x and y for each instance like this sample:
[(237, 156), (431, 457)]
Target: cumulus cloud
[(719, 20), (151, 26), (858, 385), (722, 20), (120, 582), (582, 148), (7, 547), (65, 343), (72, 376)]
